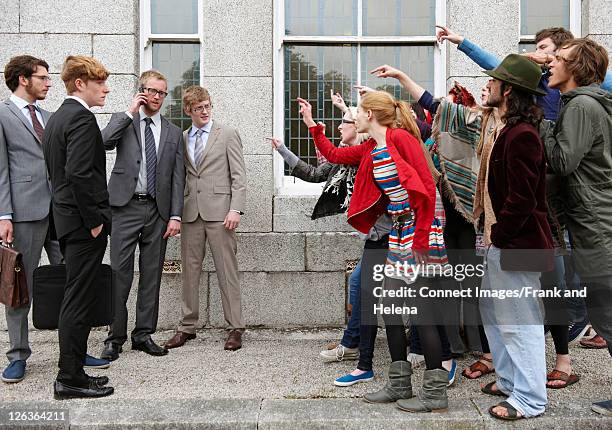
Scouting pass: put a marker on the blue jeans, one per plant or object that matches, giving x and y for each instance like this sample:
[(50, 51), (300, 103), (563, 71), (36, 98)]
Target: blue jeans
[(514, 330), (351, 332)]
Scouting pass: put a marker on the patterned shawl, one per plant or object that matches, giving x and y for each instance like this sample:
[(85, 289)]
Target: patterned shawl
[(456, 133)]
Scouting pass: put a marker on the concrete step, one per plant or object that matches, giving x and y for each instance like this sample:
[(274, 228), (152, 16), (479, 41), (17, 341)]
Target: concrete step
[(276, 381), (286, 414)]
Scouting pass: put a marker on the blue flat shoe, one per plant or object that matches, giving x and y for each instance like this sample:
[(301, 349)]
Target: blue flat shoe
[(96, 363), (452, 373), (14, 372), (348, 379)]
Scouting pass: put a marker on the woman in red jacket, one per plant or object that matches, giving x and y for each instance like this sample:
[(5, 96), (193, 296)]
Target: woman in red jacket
[(396, 176)]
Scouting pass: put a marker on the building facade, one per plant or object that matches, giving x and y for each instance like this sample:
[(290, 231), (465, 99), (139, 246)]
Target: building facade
[(256, 57)]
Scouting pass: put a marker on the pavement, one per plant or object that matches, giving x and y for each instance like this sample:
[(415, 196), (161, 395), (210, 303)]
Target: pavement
[(276, 381)]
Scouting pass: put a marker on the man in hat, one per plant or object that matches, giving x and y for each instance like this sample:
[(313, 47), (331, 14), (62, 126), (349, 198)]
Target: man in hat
[(521, 243)]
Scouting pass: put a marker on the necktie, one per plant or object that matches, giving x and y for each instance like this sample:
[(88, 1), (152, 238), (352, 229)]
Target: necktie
[(151, 158), (38, 128), (198, 153)]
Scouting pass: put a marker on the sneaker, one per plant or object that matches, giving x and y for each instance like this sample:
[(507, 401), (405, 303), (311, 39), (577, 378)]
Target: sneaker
[(96, 363), (14, 372), (339, 353), (452, 373), (577, 330), (604, 408), (348, 379), (416, 360)]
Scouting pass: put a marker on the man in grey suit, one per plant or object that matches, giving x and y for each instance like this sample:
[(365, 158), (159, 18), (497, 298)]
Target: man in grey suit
[(25, 193), (146, 196)]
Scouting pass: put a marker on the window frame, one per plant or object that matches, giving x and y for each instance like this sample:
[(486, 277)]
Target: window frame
[(147, 39), (289, 185), (575, 22)]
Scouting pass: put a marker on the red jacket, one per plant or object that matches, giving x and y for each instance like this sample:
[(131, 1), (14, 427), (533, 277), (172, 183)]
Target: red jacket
[(368, 201)]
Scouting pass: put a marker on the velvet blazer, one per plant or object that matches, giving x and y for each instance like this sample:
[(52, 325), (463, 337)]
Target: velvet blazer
[(517, 187)]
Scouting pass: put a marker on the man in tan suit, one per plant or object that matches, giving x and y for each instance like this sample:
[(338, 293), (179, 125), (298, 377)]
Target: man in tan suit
[(215, 194)]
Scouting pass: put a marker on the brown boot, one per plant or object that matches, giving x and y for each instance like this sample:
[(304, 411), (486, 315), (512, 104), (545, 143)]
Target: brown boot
[(234, 340), (179, 339)]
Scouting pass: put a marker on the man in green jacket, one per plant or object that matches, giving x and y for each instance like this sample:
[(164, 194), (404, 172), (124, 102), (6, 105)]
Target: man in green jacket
[(579, 148)]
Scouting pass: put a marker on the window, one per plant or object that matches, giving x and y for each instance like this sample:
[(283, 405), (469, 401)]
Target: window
[(325, 45), (536, 16), (170, 42)]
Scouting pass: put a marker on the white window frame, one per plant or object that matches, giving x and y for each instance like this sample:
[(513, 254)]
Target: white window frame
[(575, 22), (147, 38), (289, 185)]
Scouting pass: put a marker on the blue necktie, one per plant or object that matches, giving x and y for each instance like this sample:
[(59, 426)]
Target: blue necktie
[(151, 158)]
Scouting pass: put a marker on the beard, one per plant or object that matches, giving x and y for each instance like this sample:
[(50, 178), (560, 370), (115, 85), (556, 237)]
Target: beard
[(29, 88)]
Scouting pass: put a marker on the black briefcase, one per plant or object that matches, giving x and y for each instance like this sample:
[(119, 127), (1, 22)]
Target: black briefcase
[(48, 285)]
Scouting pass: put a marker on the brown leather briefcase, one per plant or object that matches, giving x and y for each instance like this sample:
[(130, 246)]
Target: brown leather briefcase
[(13, 282)]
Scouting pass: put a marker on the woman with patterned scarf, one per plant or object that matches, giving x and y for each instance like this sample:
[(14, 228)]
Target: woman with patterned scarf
[(396, 176), (463, 135)]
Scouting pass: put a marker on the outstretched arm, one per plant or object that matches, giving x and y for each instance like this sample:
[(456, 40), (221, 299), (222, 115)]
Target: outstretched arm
[(483, 58), (348, 155)]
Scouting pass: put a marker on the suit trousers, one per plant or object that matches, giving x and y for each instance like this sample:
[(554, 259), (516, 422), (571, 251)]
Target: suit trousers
[(136, 223), (222, 242), (29, 240), (83, 255)]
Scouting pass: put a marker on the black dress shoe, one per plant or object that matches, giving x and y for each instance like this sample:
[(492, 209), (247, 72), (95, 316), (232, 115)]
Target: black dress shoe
[(62, 391), (100, 381), (111, 351), (149, 347)]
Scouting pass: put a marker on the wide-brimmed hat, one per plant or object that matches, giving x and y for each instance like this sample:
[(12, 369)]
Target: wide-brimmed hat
[(520, 72)]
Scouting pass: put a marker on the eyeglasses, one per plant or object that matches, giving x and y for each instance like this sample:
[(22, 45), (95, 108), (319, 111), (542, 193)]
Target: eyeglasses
[(201, 109), (45, 78), (154, 92), (347, 121)]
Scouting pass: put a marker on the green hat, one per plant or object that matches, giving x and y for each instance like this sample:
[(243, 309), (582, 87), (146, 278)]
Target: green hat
[(520, 72)]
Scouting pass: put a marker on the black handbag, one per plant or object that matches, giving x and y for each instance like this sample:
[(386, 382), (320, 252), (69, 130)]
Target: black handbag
[(49, 283)]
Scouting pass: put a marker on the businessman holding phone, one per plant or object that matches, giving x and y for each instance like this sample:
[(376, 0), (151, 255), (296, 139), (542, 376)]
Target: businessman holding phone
[(146, 197)]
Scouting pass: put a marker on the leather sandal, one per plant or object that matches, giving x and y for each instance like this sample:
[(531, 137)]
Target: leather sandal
[(557, 375), (512, 412), (479, 366), (488, 389)]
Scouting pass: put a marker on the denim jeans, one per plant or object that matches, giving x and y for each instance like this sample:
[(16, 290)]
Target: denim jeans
[(351, 332), (516, 338)]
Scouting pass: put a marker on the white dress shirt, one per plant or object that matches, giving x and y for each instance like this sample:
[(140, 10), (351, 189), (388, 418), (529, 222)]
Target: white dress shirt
[(23, 107), (80, 100)]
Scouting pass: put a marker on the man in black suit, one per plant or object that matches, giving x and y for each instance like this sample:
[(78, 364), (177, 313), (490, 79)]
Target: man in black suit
[(76, 161)]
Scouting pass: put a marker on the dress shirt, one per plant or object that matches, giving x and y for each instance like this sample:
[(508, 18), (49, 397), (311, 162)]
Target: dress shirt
[(80, 100), (141, 186), (192, 138), (23, 107)]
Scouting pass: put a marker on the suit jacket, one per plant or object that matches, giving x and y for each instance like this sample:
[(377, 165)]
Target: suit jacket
[(219, 183), (123, 133), (76, 161), (25, 191), (517, 187)]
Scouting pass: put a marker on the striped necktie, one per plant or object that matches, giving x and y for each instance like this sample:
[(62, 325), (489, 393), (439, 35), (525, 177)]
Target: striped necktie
[(38, 128), (151, 158), (198, 151)]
